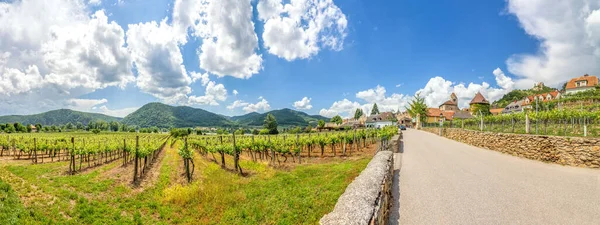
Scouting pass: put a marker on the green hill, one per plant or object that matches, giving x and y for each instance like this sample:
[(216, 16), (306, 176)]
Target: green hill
[(285, 117), (165, 116), (57, 117)]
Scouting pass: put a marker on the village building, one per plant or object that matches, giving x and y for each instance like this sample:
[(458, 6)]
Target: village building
[(380, 120), (529, 101), (514, 107), (496, 111), (33, 128), (451, 104), (447, 111), (478, 102), (404, 118), (583, 83)]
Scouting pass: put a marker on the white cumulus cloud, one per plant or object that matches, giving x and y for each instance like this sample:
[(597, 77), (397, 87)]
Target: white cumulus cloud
[(303, 104), (438, 90), (262, 105), (212, 95), (569, 35), (155, 50), (300, 28), (237, 104), (229, 42)]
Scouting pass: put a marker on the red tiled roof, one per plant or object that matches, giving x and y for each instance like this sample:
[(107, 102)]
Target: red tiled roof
[(479, 99), (591, 81), (435, 112), (448, 115), (497, 111)]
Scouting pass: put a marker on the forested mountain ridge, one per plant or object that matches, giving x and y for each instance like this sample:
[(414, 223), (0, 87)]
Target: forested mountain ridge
[(58, 117), (165, 116)]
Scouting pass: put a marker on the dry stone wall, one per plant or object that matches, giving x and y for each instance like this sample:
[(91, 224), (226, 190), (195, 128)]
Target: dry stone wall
[(570, 151), (368, 199)]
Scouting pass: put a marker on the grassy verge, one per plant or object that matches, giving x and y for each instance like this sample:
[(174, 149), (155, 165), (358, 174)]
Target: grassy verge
[(301, 195)]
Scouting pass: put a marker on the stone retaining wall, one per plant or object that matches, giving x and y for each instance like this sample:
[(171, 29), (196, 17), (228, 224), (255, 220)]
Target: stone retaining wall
[(368, 199), (570, 151)]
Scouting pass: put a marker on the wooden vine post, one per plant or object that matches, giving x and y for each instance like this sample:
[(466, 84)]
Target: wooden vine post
[(72, 157), (299, 148), (236, 157), (135, 170), (222, 152), (35, 150)]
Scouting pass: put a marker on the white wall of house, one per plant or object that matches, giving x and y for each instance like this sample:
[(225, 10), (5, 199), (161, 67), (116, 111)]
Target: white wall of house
[(578, 89), (379, 124)]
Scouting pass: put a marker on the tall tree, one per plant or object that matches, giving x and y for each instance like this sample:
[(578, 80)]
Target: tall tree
[(271, 124), (359, 112), (321, 124), (337, 120), (418, 108), (375, 110)]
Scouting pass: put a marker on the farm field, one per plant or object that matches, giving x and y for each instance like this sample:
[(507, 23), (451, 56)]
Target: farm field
[(277, 190)]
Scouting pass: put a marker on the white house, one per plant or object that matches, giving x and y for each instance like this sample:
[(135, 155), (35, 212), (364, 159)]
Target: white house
[(380, 120), (583, 83)]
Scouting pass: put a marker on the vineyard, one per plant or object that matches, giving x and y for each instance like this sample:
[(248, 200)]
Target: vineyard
[(84, 175), (565, 122)]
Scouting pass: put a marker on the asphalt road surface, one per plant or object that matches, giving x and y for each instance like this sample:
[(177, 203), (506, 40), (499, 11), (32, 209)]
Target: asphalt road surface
[(442, 181)]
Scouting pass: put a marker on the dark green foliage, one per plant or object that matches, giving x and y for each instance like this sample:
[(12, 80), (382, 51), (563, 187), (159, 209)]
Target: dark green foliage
[(287, 117), (166, 116), (483, 108), (418, 107), (57, 117), (358, 113), (321, 124), (375, 109), (337, 120), (181, 132), (271, 124)]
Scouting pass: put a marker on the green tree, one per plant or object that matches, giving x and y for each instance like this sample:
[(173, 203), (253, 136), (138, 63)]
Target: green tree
[(483, 108), (375, 109), (358, 113), (79, 126), (271, 124), (308, 129), (9, 128), (38, 127), (321, 124), (337, 120), (28, 128), (69, 126), (417, 107), (114, 126)]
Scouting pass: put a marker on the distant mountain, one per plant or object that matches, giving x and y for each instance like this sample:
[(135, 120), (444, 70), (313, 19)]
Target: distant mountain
[(165, 116), (58, 117), (285, 117)]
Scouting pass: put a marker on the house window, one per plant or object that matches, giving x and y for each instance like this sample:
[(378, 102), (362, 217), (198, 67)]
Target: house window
[(581, 83)]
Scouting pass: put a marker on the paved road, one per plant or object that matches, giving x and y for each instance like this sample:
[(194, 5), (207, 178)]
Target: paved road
[(447, 182)]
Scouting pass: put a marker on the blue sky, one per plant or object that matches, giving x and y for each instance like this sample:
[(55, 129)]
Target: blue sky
[(386, 52)]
